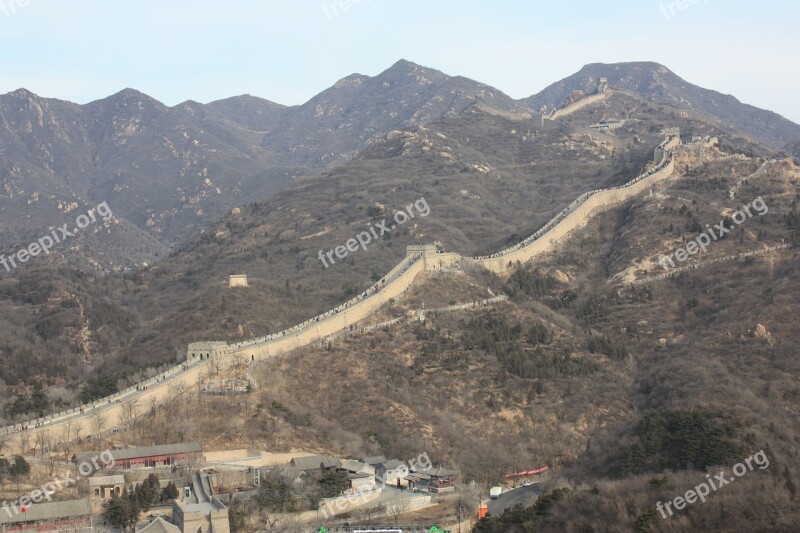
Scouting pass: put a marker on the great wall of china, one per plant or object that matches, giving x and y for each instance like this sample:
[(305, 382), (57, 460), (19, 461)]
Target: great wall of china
[(103, 416), (602, 93)]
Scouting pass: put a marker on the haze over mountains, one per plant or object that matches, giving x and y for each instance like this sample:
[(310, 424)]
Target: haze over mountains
[(168, 172)]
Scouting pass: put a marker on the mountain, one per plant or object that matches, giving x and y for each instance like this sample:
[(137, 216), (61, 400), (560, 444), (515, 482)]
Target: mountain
[(334, 125), (490, 178), (629, 393), (169, 171), (660, 85), (792, 149)]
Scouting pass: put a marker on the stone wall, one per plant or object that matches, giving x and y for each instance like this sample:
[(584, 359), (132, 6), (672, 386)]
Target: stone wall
[(663, 149), (580, 104), (578, 218), (330, 507), (344, 319), (104, 415)]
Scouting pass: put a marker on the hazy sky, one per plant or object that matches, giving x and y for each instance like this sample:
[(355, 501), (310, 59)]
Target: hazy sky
[(287, 51)]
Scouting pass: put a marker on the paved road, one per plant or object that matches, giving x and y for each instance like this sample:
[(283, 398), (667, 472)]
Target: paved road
[(522, 495)]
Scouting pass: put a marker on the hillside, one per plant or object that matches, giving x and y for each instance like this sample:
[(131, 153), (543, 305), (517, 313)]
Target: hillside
[(169, 173), (488, 180), (660, 85), (579, 370)]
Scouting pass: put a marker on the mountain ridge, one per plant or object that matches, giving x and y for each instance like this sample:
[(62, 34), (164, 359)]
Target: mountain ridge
[(173, 171), (660, 84)]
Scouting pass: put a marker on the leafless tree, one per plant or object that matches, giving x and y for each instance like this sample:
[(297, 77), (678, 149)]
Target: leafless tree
[(396, 509), (214, 365), (43, 442), (25, 442), (237, 363), (51, 462), (272, 523), (377, 511), (128, 412), (178, 391), (99, 420)]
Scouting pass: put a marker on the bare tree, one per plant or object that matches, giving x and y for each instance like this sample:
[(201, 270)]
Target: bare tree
[(67, 431), (370, 511), (25, 442), (43, 442), (51, 462), (99, 421), (214, 365), (128, 412), (272, 523), (178, 390), (462, 510), (237, 363), (396, 509)]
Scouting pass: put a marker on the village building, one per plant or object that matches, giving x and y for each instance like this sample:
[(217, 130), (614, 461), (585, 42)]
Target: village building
[(432, 479), (162, 455), (159, 525), (204, 517), (103, 488), (393, 472), (357, 467), (374, 461), (72, 515), (314, 462), (360, 482), (298, 467), (360, 475)]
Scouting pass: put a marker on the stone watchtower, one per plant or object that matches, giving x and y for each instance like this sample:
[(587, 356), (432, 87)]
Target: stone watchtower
[(434, 257), (205, 350), (427, 251)]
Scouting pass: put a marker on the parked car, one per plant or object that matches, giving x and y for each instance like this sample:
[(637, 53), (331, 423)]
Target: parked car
[(527, 483)]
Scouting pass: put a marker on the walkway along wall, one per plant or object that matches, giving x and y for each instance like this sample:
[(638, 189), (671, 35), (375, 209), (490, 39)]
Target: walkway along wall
[(580, 104), (339, 322), (580, 217)]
